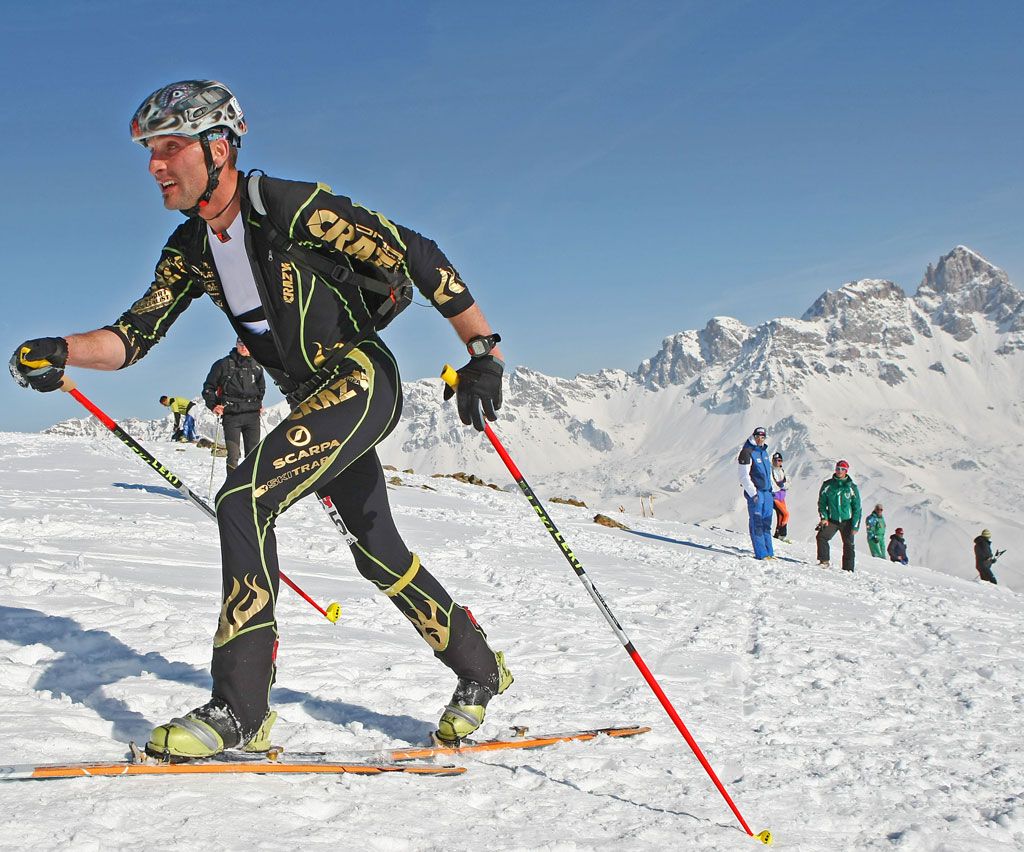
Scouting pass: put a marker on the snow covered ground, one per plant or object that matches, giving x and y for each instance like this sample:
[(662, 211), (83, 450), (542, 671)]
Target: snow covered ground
[(879, 710)]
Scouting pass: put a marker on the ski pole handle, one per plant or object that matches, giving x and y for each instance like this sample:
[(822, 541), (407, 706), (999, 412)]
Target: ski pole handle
[(450, 376)]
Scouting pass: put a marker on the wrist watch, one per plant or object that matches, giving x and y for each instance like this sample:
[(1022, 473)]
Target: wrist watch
[(482, 344)]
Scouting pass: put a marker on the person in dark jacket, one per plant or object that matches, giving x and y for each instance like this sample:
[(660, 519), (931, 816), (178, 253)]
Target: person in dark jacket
[(181, 407), (233, 391), (897, 548), (984, 558), (307, 279), (839, 511), (755, 473)]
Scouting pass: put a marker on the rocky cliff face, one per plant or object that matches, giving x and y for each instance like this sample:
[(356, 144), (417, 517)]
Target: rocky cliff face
[(963, 286)]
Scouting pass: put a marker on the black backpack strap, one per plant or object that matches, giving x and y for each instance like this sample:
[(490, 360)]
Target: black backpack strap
[(339, 273), (397, 290)]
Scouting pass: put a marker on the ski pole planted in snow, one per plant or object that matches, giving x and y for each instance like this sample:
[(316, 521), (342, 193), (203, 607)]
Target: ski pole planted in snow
[(333, 610), (213, 458), (451, 378)]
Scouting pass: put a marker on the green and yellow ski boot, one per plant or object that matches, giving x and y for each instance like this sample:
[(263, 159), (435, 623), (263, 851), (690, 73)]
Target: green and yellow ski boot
[(205, 732), (466, 711)]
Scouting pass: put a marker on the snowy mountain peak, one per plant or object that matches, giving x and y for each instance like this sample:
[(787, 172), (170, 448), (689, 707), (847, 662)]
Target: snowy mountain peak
[(963, 284), (688, 353), (860, 297)]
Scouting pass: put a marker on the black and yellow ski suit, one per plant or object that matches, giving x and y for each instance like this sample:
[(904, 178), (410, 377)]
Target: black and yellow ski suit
[(327, 444)]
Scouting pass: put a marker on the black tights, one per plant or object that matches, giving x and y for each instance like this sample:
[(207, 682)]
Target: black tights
[(326, 446)]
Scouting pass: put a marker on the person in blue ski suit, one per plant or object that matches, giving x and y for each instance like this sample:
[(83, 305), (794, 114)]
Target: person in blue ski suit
[(755, 469)]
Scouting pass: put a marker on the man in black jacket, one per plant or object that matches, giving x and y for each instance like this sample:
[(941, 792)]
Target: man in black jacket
[(257, 246), (984, 558), (234, 392)]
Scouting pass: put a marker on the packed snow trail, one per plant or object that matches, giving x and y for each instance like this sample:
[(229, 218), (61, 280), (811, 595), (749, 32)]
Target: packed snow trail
[(880, 710)]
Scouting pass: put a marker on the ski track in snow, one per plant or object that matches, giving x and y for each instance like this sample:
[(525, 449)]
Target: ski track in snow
[(880, 710)]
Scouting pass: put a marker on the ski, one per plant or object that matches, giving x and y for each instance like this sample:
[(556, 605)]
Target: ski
[(269, 764), (520, 740), (278, 761)]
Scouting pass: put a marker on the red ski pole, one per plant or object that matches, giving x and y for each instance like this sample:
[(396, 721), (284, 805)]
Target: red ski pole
[(451, 378), (333, 611)]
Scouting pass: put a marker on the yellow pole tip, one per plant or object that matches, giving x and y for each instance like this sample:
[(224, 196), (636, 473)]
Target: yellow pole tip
[(333, 612), (765, 837)]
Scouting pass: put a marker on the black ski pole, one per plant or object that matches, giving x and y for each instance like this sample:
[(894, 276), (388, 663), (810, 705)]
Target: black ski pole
[(333, 611), (451, 378)]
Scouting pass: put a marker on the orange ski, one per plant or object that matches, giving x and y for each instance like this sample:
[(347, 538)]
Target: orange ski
[(520, 740), (215, 767)]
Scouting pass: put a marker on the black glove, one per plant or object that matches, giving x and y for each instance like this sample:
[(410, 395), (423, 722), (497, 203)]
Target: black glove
[(39, 363), (479, 390)]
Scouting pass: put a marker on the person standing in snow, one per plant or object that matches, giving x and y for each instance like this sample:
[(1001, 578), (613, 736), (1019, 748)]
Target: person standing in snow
[(184, 430), (306, 278), (897, 548), (839, 511), (779, 487), (874, 526), (756, 480), (233, 391), (984, 558)]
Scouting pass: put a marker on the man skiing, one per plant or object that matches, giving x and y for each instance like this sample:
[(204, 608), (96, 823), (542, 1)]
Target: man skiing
[(259, 247), (874, 525), (233, 391), (897, 548), (839, 511), (756, 480), (780, 484), (184, 429)]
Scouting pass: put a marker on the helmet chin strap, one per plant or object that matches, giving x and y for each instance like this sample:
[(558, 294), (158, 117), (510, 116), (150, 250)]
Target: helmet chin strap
[(212, 179)]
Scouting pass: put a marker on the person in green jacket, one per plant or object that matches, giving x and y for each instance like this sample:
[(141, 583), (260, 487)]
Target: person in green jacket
[(839, 510), (180, 406), (874, 524)]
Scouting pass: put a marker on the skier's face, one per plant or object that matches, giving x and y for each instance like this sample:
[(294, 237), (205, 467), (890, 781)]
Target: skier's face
[(178, 165)]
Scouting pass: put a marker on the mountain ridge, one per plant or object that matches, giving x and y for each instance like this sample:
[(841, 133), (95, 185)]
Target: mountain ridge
[(899, 384)]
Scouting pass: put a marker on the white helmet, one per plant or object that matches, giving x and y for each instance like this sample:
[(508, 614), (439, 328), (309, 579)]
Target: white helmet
[(190, 108)]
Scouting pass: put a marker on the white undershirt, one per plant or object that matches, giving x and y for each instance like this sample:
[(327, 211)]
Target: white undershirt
[(235, 273)]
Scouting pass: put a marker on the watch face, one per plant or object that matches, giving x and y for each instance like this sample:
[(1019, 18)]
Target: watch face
[(478, 347)]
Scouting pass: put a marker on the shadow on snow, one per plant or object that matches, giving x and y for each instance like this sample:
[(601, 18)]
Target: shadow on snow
[(150, 489), (93, 659), (726, 549)]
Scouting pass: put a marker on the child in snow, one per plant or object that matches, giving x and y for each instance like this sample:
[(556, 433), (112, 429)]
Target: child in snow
[(779, 486)]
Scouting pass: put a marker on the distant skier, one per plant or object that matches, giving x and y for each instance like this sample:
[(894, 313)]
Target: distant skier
[(897, 548), (839, 510), (779, 487), (984, 558), (874, 525), (184, 430), (756, 480), (233, 391)]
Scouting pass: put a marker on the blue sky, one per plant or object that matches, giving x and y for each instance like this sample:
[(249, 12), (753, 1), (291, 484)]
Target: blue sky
[(602, 174)]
